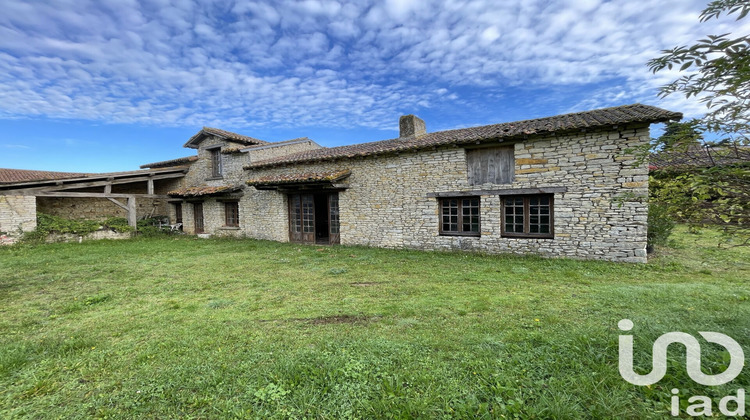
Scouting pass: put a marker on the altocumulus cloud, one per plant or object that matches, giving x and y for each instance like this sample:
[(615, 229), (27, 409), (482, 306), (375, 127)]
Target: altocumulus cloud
[(322, 62)]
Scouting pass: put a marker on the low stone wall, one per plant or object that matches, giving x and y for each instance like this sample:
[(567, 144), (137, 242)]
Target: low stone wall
[(93, 236)]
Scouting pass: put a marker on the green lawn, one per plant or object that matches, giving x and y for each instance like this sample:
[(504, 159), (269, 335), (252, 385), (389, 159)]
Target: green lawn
[(188, 328)]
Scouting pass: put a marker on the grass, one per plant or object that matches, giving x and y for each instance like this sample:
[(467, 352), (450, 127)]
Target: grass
[(168, 328)]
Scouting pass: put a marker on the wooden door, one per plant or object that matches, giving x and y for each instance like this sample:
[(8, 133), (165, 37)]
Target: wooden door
[(301, 218), (333, 218), (198, 217)]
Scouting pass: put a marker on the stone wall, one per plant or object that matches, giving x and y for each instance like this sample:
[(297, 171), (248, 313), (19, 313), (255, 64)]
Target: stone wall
[(601, 216), (200, 174), (201, 171), (17, 215), (274, 150)]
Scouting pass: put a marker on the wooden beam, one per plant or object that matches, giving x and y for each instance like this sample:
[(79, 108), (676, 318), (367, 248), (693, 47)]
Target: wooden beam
[(132, 219), (509, 191), (119, 204), (67, 185)]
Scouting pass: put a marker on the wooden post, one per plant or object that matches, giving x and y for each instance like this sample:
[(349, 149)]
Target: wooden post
[(108, 188), (150, 187), (131, 211)]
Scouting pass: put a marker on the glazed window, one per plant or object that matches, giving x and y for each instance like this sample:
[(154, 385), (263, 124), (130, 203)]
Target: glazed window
[(528, 216), (232, 214), (216, 169), (459, 216)]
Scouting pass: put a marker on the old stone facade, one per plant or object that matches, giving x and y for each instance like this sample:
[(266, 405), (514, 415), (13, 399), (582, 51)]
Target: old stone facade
[(567, 186), (390, 200), (395, 191)]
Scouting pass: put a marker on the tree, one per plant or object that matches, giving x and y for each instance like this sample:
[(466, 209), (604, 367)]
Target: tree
[(720, 77), (679, 135)]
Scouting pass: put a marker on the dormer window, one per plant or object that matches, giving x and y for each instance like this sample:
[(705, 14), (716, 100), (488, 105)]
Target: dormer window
[(216, 169)]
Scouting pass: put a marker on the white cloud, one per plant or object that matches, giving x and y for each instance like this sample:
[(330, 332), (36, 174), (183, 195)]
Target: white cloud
[(329, 63)]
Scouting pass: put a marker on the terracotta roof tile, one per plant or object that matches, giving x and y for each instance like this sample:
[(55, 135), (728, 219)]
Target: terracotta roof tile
[(582, 120), (11, 176), (203, 191), (173, 162), (237, 138), (298, 178)]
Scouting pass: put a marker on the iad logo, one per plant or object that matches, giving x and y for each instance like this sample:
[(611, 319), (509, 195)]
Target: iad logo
[(693, 357), (692, 364)]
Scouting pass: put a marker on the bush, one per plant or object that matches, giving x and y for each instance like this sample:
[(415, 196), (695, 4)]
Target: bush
[(118, 224), (154, 226), (47, 224), (660, 225)]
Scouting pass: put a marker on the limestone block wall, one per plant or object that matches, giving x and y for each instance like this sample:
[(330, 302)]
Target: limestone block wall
[(274, 150), (213, 217), (17, 215), (201, 171), (601, 216)]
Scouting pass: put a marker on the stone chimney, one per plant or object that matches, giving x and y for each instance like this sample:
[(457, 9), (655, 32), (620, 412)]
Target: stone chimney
[(410, 126)]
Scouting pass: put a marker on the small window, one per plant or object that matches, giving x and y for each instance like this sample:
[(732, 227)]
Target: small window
[(232, 214), (216, 169), (528, 216), (459, 216)]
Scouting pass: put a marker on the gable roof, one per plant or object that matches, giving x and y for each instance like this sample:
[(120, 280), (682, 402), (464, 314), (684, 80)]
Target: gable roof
[(228, 135), (12, 176), (560, 123), (172, 162)]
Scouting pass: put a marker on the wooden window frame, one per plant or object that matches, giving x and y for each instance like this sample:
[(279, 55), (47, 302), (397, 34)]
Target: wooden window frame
[(527, 216), (460, 231), (217, 165), (228, 222)]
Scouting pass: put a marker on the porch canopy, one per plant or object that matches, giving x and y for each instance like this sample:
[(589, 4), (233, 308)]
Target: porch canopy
[(329, 180), (203, 191)]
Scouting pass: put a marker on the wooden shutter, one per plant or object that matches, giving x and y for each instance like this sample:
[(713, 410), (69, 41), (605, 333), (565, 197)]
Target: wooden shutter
[(494, 165)]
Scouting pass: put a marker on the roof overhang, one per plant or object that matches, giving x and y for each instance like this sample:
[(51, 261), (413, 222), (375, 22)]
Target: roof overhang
[(94, 180), (204, 191), (307, 180)]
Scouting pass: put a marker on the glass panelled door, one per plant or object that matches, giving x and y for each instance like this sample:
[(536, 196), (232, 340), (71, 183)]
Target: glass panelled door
[(314, 218)]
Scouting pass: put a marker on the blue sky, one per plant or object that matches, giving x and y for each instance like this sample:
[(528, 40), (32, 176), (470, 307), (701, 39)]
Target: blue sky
[(97, 86)]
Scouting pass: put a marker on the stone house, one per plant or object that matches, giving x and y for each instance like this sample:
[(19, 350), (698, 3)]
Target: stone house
[(568, 185)]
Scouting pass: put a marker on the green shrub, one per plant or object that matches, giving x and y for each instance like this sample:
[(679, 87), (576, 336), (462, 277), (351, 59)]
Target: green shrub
[(153, 226), (49, 224), (118, 224), (660, 225)]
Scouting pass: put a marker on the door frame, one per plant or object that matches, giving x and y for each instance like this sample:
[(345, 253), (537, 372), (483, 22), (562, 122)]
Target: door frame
[(303, 227)]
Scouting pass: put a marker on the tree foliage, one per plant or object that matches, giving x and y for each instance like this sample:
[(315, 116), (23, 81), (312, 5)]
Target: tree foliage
[(719, 67), (700, 185)]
